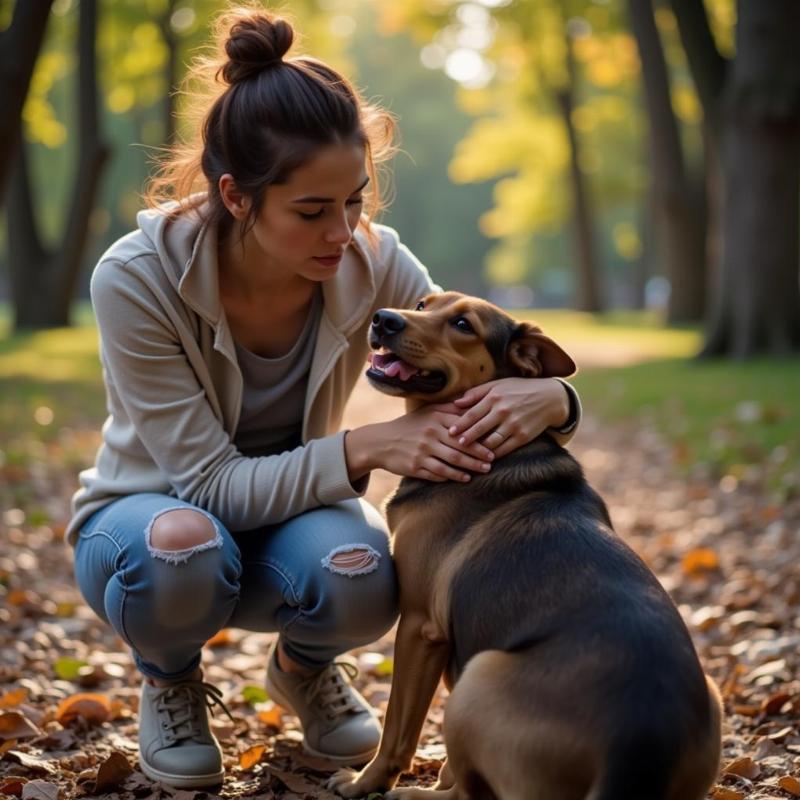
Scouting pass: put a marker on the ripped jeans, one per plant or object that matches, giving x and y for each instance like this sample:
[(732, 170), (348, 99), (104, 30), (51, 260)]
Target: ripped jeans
[(324, 580)]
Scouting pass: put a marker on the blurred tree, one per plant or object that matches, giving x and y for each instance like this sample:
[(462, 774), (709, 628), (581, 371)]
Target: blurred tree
[(677, 195), (20, 43), (752, 104), (43, 277)]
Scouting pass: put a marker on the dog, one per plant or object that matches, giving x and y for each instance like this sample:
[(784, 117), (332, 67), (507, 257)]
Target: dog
[(571, 673)]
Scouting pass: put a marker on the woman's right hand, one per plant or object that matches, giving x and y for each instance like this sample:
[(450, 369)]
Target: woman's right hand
[(416, 445)]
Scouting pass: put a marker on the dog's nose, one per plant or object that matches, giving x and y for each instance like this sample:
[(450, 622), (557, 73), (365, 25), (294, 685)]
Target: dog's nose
[(386, 322)]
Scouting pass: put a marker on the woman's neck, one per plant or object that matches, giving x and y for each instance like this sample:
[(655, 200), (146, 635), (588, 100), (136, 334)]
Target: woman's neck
[(242, 274)]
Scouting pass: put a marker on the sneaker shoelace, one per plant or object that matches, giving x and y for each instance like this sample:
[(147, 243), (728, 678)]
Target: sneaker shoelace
[(183, 704), (331, 692)]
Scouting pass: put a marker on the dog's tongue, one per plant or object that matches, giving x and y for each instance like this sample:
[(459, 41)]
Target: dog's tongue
[(393, 369), (401, 369)]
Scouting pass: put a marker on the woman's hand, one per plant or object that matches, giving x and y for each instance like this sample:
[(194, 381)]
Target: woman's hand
[(416, 445), (508, 413)]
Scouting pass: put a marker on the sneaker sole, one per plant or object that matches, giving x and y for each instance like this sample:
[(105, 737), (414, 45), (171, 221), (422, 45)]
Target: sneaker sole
[(344, 761), (181, 781)]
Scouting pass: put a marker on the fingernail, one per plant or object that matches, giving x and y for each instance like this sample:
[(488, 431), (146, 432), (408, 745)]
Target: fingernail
[(462, 440), (465, 478), (486, 467), (490, 456), (452, 430)]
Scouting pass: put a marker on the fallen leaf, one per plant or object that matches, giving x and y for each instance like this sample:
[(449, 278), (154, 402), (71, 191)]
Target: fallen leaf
[(271, 714), (250, 757), (14, 725), (32, 761), (723, 793), (220, 639), (39, 790), (14, 698), (774, 703), (69, 669), (92, 707), (743, 767), (112, 772), (12, 786), (255, 694), (790, 784), (700, 560), (294, 782)]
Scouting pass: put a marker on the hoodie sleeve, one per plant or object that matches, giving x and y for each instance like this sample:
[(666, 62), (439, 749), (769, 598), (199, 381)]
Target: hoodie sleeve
[(158, 402)]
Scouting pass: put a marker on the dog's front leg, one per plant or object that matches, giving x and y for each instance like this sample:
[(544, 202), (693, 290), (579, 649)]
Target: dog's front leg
[(418, 666)]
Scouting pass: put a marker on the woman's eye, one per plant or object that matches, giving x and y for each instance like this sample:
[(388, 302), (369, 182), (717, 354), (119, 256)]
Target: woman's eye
[(463, 324), (419, 306), (313, 215), (356, 201)]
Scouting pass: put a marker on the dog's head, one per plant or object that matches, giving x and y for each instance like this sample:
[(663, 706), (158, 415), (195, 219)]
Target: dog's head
[(451, 342)]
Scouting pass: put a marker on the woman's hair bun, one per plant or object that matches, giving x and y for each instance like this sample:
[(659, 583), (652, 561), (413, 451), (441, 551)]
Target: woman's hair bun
[(255, 42)]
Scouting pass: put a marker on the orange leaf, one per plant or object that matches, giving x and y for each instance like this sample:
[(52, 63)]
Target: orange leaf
[(790, 784), (700, 560), (14, 698), (92, 707), (251, 756), (723, 793), (14, 725), (773, 704), (219, 639), (271, 714), (743, 767)]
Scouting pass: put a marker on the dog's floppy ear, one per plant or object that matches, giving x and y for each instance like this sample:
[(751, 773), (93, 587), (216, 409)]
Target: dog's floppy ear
[(531, 354)]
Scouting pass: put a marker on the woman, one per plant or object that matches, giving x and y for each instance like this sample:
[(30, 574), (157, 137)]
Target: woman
[(233, 328)]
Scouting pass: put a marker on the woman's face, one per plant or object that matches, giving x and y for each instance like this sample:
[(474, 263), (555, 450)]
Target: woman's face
[(305, 224)]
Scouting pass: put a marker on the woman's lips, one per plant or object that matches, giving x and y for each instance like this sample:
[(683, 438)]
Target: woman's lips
[(329, 261)]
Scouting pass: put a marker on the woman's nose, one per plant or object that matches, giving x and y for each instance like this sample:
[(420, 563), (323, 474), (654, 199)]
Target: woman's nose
[(339, 231)]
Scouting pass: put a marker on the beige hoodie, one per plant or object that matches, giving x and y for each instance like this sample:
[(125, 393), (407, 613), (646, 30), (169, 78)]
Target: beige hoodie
[(174, 388)]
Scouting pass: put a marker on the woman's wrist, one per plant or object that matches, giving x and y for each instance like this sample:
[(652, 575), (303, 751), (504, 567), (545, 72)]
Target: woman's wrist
[(561, 405), (359, 451)]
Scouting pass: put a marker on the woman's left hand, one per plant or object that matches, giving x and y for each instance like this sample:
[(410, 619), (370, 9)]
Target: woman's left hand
[(508, 413)]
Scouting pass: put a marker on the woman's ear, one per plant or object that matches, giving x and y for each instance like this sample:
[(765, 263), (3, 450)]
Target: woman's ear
[(237, 203), (531, 354)]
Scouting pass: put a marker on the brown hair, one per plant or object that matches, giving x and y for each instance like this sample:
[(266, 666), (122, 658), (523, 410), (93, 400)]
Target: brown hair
[(259, 117)]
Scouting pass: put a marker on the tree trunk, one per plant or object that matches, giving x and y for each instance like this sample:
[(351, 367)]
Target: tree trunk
[(43, 280), (171, 72), (679, 208), (586, 291), (19, 47), (758, 293)]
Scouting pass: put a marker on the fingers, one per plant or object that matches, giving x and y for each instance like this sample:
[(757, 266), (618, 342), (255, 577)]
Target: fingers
[(473, 395), (475, 424)]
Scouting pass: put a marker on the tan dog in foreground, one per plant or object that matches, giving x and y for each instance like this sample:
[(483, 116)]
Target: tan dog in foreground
[(572, 675)]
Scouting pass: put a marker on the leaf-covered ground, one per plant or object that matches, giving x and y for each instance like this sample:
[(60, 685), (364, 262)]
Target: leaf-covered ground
[(728, 555)]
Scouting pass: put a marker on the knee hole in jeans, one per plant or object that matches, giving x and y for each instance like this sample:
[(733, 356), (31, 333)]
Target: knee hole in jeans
[(176, 534), (352, 560)]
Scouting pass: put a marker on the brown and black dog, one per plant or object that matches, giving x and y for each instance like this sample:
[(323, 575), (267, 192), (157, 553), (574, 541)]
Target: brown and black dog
[(572, 674)]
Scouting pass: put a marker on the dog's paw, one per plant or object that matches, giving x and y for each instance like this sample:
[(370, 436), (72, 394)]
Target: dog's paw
[(344, 782), (351, 784)]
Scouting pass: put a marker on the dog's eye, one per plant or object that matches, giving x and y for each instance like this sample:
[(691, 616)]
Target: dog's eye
[(463, 324), (420, 306)]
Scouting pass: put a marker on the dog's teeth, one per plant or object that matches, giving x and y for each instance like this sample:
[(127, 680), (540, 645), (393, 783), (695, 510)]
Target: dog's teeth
[(424, 373)]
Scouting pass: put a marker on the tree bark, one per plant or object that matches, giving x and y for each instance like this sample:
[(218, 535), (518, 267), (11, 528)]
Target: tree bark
[(758, 293), (679, 208), (586, 291), (171, 72), (19, 47), (43, 279)]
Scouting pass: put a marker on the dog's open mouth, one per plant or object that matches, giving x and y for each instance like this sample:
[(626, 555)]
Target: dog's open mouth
[(389, 369)]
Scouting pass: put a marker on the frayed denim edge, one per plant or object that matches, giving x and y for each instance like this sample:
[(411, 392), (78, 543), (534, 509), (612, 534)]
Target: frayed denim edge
[(181, 556), (327, 562)]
